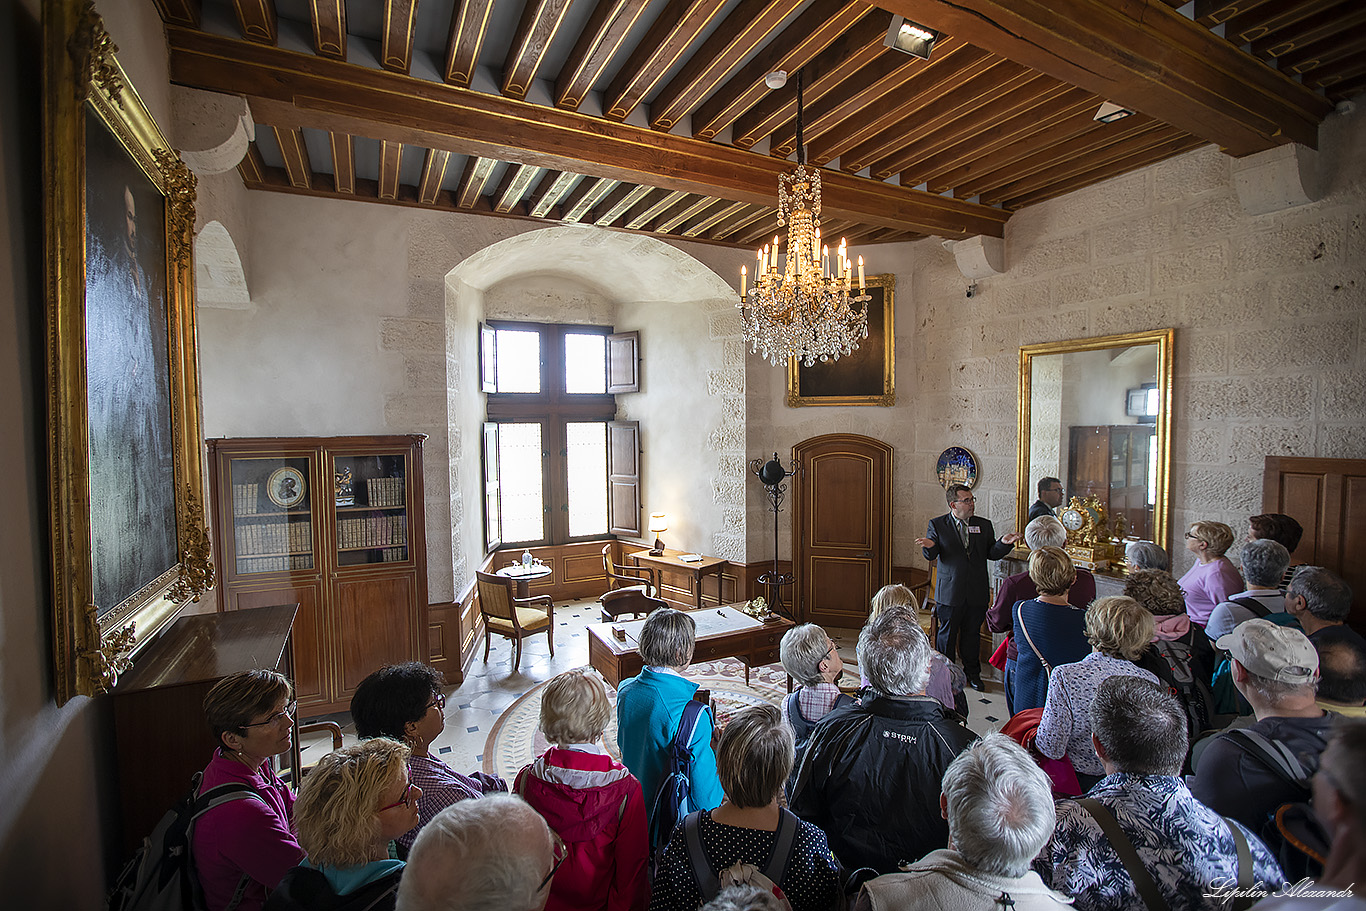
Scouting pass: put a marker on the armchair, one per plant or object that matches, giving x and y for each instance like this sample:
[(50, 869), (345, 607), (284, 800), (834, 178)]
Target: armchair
[(516, 618)]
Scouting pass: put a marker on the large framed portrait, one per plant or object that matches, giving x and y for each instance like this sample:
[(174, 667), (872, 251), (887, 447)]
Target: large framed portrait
[(863, 377), (129, 546)]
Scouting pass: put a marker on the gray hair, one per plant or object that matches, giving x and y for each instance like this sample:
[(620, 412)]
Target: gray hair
[(667, 638), (1146, 555), (803, 649), (1264, 562), (1325, 593), (477, 855), (1276, 692), (1140, 725), (743, 897), (1000, 806), (894, 653), (1045, 531)]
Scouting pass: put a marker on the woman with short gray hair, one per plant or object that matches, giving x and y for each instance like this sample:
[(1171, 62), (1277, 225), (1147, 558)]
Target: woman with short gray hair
[(650, 708), (999, 805), (814, 662), (1145, 555), (1045, 531)]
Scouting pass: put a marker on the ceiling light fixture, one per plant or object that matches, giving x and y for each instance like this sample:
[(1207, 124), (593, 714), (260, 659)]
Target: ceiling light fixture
[(910, 38), (1109, 112), (802, 310)]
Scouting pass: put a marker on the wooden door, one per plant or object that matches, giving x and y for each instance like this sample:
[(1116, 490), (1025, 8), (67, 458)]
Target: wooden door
[(841, 515), (375, 626), (1327, 497), (310, 658)]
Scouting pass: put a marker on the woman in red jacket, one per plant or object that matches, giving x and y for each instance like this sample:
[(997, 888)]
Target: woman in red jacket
[(590, 800)]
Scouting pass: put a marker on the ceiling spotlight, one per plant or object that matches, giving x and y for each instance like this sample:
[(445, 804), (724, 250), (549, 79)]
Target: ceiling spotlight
[(776, 79), (910, 38), (1109, 112)]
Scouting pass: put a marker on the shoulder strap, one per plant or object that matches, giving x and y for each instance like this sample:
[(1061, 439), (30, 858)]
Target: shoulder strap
[(1258, 608), (1273, 753), (1019, 616), (785, 838), (707, 880), (1143, 880), (687, 725), (1244, 865)]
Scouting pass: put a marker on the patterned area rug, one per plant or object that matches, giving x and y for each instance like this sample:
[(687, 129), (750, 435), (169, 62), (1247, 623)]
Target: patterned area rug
[(516, 739)]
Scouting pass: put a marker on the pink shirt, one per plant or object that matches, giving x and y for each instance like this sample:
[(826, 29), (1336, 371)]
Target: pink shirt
[(244, 836), (1207, 585)]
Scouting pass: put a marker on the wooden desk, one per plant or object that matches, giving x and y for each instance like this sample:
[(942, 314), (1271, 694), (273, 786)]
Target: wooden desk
[(524, 578), (669, 562), (161, 738), (754, 643)]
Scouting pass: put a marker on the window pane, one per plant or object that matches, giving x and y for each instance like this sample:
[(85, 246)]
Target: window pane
[(587, 466), (585, 363), (519, 360), (520, 465)]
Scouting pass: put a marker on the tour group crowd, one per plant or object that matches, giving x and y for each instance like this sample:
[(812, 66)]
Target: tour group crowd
[(1192, 743)]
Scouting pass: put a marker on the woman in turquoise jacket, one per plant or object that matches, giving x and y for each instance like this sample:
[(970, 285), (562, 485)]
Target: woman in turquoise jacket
[(650, 707)]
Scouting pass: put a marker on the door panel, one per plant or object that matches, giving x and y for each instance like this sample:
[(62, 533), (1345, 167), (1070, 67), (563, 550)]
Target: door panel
[(842, 527), (374, 626), (311, 686)]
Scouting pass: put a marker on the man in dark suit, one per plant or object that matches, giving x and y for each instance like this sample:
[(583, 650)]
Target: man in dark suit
[(962, 543), (1050, 498)]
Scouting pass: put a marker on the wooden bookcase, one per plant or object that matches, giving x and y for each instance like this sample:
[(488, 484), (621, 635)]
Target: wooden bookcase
[(290, 529)]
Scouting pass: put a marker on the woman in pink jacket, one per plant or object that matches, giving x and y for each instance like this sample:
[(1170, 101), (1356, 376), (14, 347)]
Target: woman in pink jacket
[(591, 801)]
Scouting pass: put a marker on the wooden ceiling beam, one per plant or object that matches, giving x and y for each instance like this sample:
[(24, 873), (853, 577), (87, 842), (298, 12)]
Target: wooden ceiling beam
[(1306, 59), (1147, 57), (1140, 159), (343, 162), (541, 19), (760, 232), (608, 25), (390, 157), (1212, 12), (258, 20), (618, 203), (306, 90), (548, 193), (1141, 140), (714, 218), (843, 120), (748, 216), (433, 173), (469, 22), (1347, 19), (664, 44), (692, 209), (396, 42), (478, 170), (820, 26), (747, 27), (295, 154), (1009, 115), (1000, 81), (585, 196), (181, 12), (329, 28), (251, 167), (855, 49), (653, 208), (515, 184), (1255, 23)]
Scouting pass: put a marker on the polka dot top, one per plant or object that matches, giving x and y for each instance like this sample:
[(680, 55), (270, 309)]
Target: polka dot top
[(811, 880)]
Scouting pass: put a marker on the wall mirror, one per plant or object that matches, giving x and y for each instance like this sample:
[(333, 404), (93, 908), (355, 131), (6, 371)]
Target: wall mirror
[(1096, 414)]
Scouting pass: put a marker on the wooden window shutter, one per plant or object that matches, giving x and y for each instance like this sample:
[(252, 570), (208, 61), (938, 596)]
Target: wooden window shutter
[(493, 491), (623, 362), (488, 358), (623, 478)]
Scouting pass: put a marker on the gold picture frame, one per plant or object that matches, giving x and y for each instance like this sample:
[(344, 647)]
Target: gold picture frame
[(864, 377), (129, 544)]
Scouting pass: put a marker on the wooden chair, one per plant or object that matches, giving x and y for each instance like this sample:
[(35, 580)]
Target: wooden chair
[(516, 618), (641, 578), (631, 600)]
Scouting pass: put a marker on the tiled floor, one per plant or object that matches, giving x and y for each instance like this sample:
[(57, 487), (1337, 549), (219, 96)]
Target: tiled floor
[(490, 687)]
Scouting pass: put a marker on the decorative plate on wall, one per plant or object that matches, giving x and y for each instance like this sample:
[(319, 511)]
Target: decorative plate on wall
[(956, 466), (286, 487)]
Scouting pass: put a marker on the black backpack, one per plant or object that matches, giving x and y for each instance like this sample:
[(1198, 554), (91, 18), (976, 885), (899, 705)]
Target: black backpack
[(673, 797), (162, 876), (1293, 832), (1173, 662)]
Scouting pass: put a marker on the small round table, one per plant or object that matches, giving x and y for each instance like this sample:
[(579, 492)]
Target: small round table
[(523, 577)]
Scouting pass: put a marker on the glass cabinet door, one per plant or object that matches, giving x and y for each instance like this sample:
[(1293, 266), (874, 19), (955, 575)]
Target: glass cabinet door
[(370, 495), (271, 514)]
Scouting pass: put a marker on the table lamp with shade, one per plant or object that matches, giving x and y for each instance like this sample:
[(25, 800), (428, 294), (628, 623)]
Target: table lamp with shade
[(658, 522)]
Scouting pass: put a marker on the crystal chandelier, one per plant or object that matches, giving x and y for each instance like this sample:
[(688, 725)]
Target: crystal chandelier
[(799, 308)]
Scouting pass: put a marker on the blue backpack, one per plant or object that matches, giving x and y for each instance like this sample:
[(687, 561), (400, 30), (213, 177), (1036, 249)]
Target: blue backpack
[(673, 798)]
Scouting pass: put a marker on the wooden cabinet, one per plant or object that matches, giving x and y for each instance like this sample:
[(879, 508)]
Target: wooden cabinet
[(1113, 464), (334, 524)]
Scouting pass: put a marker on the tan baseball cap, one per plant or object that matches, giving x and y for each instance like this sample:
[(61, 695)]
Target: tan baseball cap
[(1272, 651)]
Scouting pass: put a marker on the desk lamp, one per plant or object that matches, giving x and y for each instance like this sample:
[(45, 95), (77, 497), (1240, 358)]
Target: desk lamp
[(658, 522)]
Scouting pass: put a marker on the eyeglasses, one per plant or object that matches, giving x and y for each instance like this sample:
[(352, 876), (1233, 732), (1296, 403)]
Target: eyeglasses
[(966, 500), (1191, 537), (438, 702), (560, 852), (287, 712), (403, 801)]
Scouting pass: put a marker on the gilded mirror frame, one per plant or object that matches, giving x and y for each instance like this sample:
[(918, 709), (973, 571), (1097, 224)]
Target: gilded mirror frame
[(1163, 340), (83, 84)]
